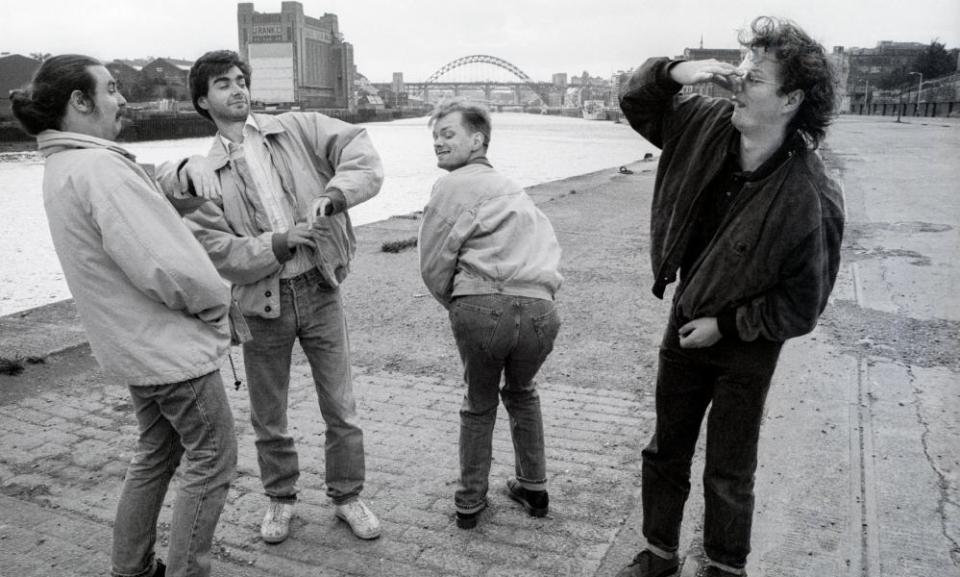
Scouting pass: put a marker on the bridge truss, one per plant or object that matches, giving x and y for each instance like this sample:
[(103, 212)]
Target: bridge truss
[(436, 81)]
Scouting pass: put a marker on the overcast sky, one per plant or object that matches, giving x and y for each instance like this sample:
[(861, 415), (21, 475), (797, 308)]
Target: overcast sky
[(418, 37)]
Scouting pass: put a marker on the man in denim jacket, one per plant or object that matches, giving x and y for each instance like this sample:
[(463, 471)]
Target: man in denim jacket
[(491, 258), (745, 210), (271, 210)]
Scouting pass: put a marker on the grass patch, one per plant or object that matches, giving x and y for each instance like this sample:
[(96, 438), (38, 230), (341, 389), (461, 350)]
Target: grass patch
[(398, 245)]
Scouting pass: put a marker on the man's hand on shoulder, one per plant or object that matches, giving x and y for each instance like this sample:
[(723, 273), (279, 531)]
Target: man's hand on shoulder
[(200, 173)]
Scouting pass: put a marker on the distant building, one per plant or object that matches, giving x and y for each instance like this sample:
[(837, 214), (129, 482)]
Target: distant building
[(16, 71), (169, 76), (617, 83), (295, 58), (127, 77), (368, 98), (866, 66), (729, 55)]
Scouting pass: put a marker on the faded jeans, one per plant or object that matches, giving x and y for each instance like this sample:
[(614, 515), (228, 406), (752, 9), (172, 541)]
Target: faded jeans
[(313, 314), (189, 421), (733, 379), (510, 336)]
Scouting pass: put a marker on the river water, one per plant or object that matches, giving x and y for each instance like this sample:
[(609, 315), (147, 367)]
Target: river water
[(529, 148)]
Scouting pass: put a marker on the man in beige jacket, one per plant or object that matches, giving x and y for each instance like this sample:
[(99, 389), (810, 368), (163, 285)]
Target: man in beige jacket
[(153, 306)]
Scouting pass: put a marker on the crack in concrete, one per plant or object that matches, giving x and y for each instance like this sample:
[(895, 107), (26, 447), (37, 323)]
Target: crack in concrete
[(943, 483)]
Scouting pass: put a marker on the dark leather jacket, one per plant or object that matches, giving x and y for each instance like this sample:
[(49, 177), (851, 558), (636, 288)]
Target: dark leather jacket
[(769, 270)]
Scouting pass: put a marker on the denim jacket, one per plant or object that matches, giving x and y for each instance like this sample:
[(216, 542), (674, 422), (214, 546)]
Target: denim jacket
[(771, 266), (315, 156)]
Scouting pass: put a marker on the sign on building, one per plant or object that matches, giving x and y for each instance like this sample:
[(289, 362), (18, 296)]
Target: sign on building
[(273, 74)]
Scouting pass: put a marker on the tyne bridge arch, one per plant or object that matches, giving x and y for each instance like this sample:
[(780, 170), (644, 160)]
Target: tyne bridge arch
[(481, 73)]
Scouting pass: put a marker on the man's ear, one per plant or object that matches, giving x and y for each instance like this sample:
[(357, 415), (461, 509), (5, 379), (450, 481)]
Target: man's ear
[(793, 101), (80, 102), (477, 140), (202, 103)]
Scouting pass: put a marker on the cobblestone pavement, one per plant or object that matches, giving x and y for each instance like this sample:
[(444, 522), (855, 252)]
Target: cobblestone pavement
[(65, 452)]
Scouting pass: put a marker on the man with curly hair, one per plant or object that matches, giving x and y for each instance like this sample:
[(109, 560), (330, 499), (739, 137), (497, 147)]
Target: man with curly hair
[(744, 209)]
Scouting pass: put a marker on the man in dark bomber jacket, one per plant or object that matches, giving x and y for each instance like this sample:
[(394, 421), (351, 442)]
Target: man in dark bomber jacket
[(744, 209)]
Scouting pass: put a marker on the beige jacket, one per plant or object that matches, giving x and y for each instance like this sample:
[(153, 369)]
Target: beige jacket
[(153, 306), (315, 156), (482, 234)]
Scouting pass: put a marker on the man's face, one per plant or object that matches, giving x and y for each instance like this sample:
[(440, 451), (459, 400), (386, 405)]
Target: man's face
[(107, 115), (756, 98), (453, 144), (228, 98)]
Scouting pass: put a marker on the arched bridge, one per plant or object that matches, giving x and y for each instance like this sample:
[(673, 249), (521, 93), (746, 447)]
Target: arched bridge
[(473, 73)]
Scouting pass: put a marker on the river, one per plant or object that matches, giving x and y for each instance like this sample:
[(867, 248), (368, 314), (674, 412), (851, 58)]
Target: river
[(529, 148)]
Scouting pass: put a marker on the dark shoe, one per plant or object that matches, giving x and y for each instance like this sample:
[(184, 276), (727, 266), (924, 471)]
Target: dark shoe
[(535, 502), (649, 564), (161, 570), (468, 520)]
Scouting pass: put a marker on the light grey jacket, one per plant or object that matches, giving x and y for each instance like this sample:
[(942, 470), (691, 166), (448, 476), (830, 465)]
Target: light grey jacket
[(153, 306), (482, 234), (315, 156)]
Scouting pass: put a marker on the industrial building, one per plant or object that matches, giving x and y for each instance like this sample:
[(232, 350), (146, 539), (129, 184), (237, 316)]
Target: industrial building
[(296, 59)]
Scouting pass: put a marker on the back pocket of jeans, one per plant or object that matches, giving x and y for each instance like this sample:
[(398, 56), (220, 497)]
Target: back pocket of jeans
[(547, 326), (474, 325)]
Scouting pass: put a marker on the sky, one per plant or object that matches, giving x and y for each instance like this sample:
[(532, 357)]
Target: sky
[(540, 37)]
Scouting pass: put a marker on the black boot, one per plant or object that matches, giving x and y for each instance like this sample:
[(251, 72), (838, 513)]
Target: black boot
[(535, 502)]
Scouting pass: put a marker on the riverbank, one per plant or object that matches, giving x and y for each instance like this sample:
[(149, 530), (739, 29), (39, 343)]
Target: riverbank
[(140, 127), (860, 454)]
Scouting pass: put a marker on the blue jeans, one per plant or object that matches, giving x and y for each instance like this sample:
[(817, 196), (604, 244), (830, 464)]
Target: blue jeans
[(189, 421), (734, 378), (510, 336), (312, 313)]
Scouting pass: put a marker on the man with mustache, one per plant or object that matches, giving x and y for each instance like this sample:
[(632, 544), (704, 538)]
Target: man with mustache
[(153, 307), (747, 213), (276, 226)]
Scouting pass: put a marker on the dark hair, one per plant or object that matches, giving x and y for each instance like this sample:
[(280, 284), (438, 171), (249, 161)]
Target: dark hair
[(210, 65), (803, 65), (475, 115), (43, 104)]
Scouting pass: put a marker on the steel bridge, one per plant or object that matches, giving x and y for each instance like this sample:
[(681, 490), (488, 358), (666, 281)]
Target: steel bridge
[(442, 82)]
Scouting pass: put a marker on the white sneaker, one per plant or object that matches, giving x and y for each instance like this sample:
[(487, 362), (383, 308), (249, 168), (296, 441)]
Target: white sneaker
[(361, 519), (276, 523)]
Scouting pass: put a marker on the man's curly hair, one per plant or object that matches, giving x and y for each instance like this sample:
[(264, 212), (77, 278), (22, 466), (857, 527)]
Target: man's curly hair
[(803, 65)]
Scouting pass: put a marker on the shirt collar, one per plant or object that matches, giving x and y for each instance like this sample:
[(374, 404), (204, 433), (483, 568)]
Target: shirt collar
[(52, 141), (250, 124), (480, 160)]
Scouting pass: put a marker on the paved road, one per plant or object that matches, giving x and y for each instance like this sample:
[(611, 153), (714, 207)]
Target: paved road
[(860, 459)]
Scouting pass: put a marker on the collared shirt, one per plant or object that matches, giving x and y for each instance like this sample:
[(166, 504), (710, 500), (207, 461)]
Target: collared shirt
[(280, 212)]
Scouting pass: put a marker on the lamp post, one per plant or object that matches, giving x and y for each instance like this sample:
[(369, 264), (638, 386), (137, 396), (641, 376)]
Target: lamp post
[(866, 94), (899, 102), (916, 107)]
